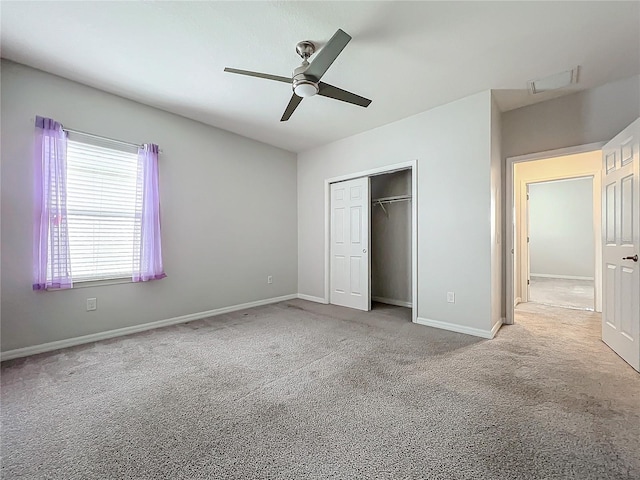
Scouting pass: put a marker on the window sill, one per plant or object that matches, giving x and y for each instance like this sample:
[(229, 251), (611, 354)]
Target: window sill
[(93, 283), (100, 283)]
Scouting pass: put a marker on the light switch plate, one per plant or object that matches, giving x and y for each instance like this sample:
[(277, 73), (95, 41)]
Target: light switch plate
[(451, 297)]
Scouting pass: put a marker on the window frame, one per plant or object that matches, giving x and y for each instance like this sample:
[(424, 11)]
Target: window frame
[(104, 143)]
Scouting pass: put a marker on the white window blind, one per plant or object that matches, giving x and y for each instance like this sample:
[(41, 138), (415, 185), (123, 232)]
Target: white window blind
[(104, 210)]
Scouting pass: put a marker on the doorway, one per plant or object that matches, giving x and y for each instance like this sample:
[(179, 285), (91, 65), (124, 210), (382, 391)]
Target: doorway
[(617, 276), (560, 229), (381, 216), (527, 172), (391, 238)]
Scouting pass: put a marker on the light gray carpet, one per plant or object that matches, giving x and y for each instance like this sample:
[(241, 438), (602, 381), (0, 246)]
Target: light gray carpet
[(562, 292), (301, 390)]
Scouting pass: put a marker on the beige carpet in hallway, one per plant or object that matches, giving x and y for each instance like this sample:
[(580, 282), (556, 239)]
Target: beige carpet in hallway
[(562, 292), (299, 390)]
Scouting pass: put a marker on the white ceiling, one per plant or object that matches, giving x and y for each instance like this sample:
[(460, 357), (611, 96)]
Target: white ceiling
[(407, 57)]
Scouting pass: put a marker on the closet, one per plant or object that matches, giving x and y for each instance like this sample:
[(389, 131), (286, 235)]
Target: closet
[(391, 238)]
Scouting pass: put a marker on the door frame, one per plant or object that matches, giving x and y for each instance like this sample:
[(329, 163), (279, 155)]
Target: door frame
[(510, 213), (410, 165)]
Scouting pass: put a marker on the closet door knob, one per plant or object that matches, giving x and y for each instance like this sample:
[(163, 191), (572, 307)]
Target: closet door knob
[(364, 250)]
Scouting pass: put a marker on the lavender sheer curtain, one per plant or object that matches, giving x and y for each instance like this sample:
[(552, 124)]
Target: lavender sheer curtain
[(147, 249), (51, 260)]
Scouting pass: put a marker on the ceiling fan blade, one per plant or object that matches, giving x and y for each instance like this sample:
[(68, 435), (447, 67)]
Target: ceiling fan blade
[(330, 91), (277, 78), (327, 55), (293, 104)]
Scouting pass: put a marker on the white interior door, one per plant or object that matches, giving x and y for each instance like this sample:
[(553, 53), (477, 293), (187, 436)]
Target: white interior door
[(620, 242), (350, 213)]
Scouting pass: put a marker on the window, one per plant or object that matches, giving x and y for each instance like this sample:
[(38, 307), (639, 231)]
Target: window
[(97, 209), (104, 210)]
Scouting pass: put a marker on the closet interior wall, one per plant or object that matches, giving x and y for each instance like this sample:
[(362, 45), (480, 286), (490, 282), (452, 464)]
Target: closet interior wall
[(391, 239)]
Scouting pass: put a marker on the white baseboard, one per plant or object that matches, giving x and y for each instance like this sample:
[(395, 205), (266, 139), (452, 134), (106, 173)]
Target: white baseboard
[(391, 301), (94, 337), (564, 277), (476, 332), (311, 298), (517, 301)]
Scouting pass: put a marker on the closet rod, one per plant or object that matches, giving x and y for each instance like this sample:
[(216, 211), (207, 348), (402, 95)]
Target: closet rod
[(397, 198)]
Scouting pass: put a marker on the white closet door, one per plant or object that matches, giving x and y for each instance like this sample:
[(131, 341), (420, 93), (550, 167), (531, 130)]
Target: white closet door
[(621, 244), (350, 213)]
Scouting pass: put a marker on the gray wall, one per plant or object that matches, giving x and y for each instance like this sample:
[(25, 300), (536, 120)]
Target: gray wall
[(589, 116), (561, 228), (228, 206), (452, 146), (391, 238)]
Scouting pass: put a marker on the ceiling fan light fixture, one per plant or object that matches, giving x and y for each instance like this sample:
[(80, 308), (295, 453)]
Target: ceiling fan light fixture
[(305, 88)]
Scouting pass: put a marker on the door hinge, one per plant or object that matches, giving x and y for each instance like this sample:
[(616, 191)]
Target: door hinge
[(528, 240), (528, 282), (527, 196)]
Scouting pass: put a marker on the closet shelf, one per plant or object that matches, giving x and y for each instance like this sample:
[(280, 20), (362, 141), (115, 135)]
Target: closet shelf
[(397, 198)]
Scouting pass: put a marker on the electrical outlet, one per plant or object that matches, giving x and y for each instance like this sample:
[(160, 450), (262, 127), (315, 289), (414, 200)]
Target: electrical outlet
[(451, 297), (270, 279), (92, 304)]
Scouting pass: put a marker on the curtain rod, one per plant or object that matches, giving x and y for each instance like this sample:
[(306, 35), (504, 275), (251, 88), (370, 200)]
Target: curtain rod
[(100, 137)]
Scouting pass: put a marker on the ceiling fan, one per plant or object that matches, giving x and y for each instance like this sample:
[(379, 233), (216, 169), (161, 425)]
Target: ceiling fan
[(306, 78)]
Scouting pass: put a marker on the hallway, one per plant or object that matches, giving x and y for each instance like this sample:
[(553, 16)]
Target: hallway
[(562, 292)]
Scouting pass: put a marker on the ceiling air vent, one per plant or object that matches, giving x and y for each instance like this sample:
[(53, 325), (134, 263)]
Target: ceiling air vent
[(554, 82)]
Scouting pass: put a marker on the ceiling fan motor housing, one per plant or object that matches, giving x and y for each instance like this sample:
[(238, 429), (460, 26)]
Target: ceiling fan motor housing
[(302, 85)]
